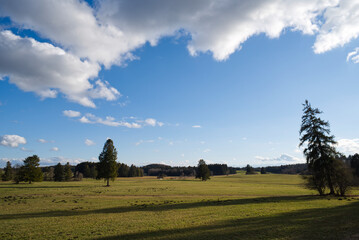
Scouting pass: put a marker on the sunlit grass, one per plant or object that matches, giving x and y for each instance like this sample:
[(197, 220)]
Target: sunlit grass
[(225, 207)]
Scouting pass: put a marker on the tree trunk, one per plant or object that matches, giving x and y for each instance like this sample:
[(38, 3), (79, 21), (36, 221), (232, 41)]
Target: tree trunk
[(330, 184), (108, 182)]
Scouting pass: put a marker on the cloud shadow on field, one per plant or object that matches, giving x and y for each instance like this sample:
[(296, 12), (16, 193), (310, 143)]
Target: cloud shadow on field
[(322, 223), (152, 207)]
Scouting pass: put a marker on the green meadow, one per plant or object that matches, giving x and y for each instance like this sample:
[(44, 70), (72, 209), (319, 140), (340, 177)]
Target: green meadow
[(225, 207)]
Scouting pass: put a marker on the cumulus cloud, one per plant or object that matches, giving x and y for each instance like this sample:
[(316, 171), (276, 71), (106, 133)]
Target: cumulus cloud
[(46, 70), (71, 113), (89, 142), (341, 25), (12, 140), (82, 39), (348, 146)]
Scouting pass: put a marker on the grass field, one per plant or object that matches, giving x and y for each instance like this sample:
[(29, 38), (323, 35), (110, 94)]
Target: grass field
[(225, 207)]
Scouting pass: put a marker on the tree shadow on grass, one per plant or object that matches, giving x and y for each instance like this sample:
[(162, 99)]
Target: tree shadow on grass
[(324, 223), (30, 186), (166, 206)]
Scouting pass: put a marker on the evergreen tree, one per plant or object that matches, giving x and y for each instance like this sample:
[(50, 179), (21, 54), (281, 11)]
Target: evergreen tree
[(67, 172), (263, 170), (133, 171), (59, 173), (8, 172), (203, 171), (31, 170), (87, 171), (319, 151), (107, 166), (93, 172)]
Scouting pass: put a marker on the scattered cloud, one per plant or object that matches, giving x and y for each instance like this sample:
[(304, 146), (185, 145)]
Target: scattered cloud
[(206, 150), (89, 142), (112, 122), (282, 159), (13, 161), (42, 140), (25, 149), (348, 146), (151, 122), (12, 140), (55, 149), (196, 126), (353, 56), (71, 114), (244, 138), (144, 141)]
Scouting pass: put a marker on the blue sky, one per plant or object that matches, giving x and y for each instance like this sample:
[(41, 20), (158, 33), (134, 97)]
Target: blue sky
[(174, 91)]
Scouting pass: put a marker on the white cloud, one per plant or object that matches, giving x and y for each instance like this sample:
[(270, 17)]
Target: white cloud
[(341, 25), (151, 122), (348, 146), (196, 126), (112, 122), (71, 113), (206, 150), (353, 56), (144, 141), (55, 149), (12, 140), (46, 70), (89, 142), (42, 140), (282, 159), (63, 160), (25, 149), (13, 161), (83, 39)]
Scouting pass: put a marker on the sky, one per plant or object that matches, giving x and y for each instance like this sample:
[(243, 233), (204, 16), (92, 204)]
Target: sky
[(173, 82)]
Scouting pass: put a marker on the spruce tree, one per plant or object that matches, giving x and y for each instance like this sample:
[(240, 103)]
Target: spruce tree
[(67, 172), (59, 173), (107, 166), (8, 172), (203, 171), (31, 170), (319, 150)]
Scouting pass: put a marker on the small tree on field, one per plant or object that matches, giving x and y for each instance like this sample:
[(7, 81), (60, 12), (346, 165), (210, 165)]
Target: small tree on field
[(249, 169), (8, 172), (107, 166), (68, 173), (203, 171), (59, 173), (31, 170), (263, 170)]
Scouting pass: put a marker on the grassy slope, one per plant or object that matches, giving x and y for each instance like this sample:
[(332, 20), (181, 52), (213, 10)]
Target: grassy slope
[(238, 206)]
